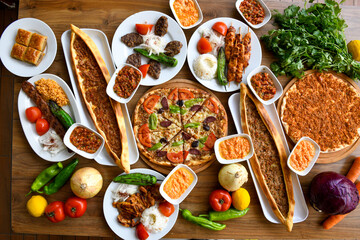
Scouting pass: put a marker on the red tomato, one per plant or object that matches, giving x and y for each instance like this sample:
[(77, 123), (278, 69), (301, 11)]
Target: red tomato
[(55, 211), (220, 200), (166, 208), (42, 126), (204, 46), (175, 157), (220, 27), (143, 29), (33, 114), (210, 141), (75, 207), (144, 69), (150, 103), (141, 232)]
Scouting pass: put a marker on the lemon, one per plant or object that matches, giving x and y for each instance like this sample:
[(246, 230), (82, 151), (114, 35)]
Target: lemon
[(36, 205), (241, 199)]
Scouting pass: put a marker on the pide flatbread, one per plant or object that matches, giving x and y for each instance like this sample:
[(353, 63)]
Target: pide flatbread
[(269, 159), (93, 76), (323, 107)]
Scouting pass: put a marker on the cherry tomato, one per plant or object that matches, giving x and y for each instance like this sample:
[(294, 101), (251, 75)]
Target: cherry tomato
[(33, 114), (141, 232), (166, 208), (55, 211), (220, 27), (175, 157), (42, 126), (220, 200), (75, 207), (144, 69), (143, 29), (204, 46)]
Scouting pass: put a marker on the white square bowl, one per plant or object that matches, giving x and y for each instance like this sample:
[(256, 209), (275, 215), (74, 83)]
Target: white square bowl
[(201, 17), (187, 191), (110, 87), (266, 18), (225, 161), (68, 143), (279, 88), (313, 161)]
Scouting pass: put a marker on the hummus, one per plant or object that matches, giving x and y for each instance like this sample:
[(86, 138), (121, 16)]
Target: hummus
[(178, 182), (302, 155), (234, 148)]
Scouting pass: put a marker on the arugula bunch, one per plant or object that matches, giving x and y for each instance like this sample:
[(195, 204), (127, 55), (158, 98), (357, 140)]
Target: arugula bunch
[(312, 37)]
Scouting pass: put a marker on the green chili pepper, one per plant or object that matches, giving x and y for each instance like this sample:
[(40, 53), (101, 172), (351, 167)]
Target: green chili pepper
[(175, 144), (174, 109), (140, 179), (206, 223), (221, 67), (61, 178), (203, 139), (183, 111), (191, 102), (201, 145), (192, 125), (226, 215), (156, 146), (152, 121)]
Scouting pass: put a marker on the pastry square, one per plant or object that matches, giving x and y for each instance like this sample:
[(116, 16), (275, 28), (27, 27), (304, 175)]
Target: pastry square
[(33, 56), (23, 37), (18, 51), (38, 42)]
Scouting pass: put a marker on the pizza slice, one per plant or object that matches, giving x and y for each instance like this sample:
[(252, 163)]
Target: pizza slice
[(198, 151), (191, 101), (172, 111), (172, 153)]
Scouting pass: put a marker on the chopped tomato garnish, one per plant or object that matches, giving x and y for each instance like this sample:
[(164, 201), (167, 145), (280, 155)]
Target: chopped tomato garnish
[(144, 69), (173, 95), (175, 157), (212, 105), (185, 94), (204, 46), (150, 103), (220, 27), (210, 141), (143, 29)]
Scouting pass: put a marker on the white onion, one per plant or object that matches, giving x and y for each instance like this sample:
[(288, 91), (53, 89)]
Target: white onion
[(86, 182), (232, 176)]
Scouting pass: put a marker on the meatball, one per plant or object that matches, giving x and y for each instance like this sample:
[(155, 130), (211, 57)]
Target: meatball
[(132, 39), (173, 48), (161, 26), (154, 69), (134, 59)]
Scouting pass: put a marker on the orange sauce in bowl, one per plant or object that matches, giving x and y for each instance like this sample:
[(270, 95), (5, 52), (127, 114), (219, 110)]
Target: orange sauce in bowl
[(302, 155), (234, 148), (186, 11), (178, 182)]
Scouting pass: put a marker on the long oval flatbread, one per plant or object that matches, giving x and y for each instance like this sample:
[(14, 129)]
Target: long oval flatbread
[(269, 159), (93, 77)]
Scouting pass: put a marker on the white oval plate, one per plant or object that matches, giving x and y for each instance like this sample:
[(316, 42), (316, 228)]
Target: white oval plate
[(111, 213), (120, 51), (7, 41), (32, 137), (255, 59)]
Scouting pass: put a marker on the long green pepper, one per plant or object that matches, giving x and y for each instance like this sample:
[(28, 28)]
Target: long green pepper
[(225, 215), (203, 222)]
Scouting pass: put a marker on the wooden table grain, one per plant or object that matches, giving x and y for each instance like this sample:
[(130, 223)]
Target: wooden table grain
[(107, 15)]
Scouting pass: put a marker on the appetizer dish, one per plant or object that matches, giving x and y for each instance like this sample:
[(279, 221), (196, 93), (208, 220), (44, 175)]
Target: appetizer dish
[(105, 113), (255, 12), (186, 12), (152, 42), (134, 208), (178, 125), (314, 108)]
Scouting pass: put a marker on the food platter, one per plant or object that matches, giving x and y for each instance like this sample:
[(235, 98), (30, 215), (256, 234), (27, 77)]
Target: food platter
[(111, 213), (25, 102), (120, 51), (330, 157), (301, 210), (7, 41), (100, 40), (255, 59)]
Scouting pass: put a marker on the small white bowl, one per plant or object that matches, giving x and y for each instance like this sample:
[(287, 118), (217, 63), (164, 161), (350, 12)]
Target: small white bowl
[(279, 88), (188, 190), (313, 161), (226, 161), (68, 143), (266, 18), (110, 87), (201, 17)]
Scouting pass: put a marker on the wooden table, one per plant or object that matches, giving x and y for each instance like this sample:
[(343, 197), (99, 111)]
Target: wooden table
[(107, 15)]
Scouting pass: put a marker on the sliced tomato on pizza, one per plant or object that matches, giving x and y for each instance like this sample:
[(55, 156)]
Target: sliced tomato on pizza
[(191, 103), (173, 151), (195, 150)]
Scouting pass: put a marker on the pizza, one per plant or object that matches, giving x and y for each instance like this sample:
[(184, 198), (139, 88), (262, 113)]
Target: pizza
[(323, 107), (178, 126)]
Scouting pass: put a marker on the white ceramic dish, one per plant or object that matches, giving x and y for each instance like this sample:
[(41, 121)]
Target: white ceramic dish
[(255, 59), (188, 190), (279, 88), (110, 87), (31, 135), (101, 42), (7, 41), (226, 161), (111, 213), (313, 161), (267, 14), (201, 16), (68, 143), (121, 52), (301, 210)]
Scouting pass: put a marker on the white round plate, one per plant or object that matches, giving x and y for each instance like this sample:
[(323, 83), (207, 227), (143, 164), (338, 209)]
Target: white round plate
[(31, 135), (120, 51), (7, 41), (111, 213), (255, 59)]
